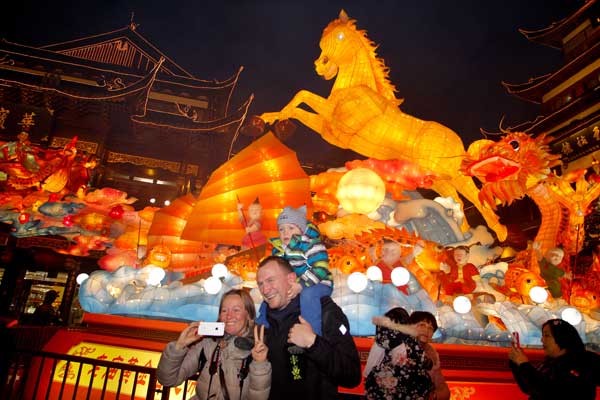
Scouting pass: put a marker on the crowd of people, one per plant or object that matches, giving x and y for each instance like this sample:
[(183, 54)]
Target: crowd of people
[(299, 346)]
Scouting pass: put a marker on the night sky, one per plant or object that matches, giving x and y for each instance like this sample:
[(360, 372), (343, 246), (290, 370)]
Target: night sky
[(447, 58)]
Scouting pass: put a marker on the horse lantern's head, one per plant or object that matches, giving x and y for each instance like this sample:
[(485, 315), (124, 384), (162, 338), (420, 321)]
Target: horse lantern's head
[(339, 43)]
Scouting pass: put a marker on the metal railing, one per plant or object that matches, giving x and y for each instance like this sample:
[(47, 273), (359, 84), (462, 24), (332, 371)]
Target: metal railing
[(49, 376)]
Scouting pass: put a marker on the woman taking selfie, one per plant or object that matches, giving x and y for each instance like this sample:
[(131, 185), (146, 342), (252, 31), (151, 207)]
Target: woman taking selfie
[(231, 366), (567, 372)]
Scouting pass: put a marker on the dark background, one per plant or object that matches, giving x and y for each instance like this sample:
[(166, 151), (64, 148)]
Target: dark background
[(447, 58)]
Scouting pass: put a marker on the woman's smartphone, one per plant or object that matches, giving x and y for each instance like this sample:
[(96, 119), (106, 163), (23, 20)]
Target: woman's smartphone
[(211, 328)]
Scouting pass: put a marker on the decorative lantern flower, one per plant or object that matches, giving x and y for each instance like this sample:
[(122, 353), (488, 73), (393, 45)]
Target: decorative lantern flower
[(360, 191), (116, 212), (68, 220), (53, 198), (24, 218)]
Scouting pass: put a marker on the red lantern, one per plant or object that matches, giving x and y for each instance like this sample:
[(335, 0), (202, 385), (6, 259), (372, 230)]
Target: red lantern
[(53, 197), (68, 220), (116, 212), (23, 218)]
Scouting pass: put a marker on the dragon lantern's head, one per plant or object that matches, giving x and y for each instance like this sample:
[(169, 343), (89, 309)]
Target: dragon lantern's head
[(509, 167)]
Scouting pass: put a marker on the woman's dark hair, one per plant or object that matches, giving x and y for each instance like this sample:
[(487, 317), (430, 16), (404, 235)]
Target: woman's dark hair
[(565, 335), (398, 315), (246, 299), (418, 316)]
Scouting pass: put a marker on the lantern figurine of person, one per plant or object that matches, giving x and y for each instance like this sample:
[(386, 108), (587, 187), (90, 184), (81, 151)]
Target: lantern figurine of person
[(251, 223), (391, 258), (459, 276)]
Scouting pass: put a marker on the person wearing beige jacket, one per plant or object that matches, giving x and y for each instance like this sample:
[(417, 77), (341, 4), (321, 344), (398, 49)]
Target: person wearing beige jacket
[(231, 367)]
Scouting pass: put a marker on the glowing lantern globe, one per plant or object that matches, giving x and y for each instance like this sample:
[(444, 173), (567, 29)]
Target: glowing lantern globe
[(219, 271), (571, 315), (461, 304), (360, 191), (81, 278), (538, 294), (357, 282), (374, 273), (212, 285), (400, 276)]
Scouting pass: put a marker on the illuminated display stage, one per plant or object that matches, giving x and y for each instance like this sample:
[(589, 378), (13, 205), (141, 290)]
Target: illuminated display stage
[(472, 372)]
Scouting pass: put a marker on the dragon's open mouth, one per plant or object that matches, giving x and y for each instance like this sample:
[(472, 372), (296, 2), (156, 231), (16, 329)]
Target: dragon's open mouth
[(494, 168)]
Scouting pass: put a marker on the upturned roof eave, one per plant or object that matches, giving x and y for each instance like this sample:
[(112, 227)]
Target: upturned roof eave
[(44, 55), (553, 34)]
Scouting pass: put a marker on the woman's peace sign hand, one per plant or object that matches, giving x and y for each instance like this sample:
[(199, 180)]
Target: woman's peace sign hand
[(260, 349)]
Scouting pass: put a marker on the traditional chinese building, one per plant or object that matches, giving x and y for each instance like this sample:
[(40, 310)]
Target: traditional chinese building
[(570, 96), (156, 130)]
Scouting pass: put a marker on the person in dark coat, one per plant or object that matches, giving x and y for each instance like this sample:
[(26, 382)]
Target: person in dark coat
[(45, 314), (568, 371), (329, 360)]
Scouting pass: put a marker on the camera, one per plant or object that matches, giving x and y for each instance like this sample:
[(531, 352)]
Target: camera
[(211, 328)]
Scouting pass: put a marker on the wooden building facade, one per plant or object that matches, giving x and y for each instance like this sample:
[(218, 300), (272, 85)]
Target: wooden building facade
[(570, 96)]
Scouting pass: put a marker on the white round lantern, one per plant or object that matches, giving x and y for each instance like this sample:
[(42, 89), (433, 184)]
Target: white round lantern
[(571, 315), (360, 191), (374, 273), (538, 294), (81, 278), (219, 270), (212, 285), (400, 276), (357, 282), (462, 304), (152, 274)]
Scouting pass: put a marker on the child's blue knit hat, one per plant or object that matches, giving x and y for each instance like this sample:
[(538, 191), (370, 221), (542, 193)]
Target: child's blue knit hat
[(296, 216)]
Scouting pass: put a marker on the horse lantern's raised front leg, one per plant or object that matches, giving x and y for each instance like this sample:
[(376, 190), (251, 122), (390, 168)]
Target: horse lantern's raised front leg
[(318, 104)]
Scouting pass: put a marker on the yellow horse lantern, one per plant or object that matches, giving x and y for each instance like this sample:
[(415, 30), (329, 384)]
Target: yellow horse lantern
[(362, 114)]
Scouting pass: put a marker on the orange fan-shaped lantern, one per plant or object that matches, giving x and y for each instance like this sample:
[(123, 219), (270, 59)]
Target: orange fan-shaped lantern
[(187, 256), (266, 169)]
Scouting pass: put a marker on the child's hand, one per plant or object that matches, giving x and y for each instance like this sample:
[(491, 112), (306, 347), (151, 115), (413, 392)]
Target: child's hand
[(295, 290), (240, 206)]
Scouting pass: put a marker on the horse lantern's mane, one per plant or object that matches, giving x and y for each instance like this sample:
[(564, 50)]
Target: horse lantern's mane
[(380, 70)]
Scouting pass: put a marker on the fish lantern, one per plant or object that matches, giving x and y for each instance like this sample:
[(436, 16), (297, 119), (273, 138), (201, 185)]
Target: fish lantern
[(160, 256), (116, 212), (23, 218), (360, 191)]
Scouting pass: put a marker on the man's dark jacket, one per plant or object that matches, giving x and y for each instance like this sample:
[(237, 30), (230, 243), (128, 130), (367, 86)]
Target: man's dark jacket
[(330, 362)]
